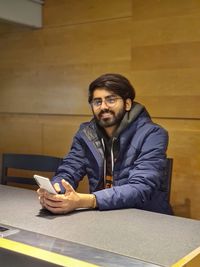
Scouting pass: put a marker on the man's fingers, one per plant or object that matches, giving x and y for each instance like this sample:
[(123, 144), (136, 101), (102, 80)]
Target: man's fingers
[(41, 199), (40, 191)]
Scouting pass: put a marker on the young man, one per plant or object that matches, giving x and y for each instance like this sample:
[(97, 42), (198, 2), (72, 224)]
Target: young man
[(122, 152)]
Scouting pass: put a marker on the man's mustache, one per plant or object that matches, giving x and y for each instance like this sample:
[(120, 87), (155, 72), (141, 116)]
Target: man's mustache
[(106, 111)]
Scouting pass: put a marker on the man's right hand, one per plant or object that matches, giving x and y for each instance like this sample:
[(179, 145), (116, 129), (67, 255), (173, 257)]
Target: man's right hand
[(41, 193)]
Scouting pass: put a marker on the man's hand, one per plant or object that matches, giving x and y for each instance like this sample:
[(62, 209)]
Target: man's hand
[(65, 203)]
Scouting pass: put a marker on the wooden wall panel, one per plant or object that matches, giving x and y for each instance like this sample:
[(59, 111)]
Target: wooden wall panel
[(8, 27), (58, 13), (171, 93), (61, 130), (165, 61), (144, 10), (169, 56), (42, 71), (168, 106), (40, 134), (44, 76), (77, 44), (182, 29), (49, 75), (19, 134), (167, 82)]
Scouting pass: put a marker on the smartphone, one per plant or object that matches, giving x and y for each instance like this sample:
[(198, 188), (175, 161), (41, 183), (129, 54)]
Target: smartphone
[(45, 183)]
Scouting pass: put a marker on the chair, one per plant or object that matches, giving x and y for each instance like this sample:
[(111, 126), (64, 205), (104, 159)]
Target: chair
[(167, 178), (168, 173), (36, 163)]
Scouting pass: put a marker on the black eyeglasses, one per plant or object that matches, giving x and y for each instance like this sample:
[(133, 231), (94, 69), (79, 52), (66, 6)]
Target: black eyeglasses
[(109, 100)]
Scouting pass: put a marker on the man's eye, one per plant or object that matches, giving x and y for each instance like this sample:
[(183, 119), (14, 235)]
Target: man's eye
[(97, 102), (111, 100)]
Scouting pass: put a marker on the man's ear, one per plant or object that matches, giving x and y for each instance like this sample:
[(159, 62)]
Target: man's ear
[(128, 104)]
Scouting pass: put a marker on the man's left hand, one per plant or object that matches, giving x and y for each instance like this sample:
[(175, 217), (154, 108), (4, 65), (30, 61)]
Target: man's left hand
[(65, 203)]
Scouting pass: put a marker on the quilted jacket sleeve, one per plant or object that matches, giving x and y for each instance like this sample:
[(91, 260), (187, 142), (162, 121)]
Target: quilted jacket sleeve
[(72, 168)]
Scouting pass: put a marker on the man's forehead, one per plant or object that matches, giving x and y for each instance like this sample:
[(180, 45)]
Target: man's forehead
[(102, 92)]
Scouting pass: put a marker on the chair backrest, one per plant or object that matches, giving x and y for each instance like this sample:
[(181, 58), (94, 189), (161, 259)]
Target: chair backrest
[(168, 173), (40, 163), (167, 178)]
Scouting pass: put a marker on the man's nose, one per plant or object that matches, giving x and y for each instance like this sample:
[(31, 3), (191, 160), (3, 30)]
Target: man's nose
[(103, 105)]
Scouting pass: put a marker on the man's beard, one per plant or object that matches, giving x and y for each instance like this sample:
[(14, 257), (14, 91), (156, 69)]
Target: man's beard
[(115, 119)]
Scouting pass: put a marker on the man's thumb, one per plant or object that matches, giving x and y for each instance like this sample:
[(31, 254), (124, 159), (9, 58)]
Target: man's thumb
[(57, 187), (67, 186)]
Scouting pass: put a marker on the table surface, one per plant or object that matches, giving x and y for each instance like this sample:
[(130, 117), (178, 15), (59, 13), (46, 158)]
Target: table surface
[(147, 236)]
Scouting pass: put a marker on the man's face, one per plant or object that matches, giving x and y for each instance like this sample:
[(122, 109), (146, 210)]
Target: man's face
[(108, 108)]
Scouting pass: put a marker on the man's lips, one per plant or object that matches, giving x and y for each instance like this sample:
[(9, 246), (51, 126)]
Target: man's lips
[(105, 115)]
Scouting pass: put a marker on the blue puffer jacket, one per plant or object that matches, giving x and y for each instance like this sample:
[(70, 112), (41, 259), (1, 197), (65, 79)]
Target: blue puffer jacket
[(138, 174)]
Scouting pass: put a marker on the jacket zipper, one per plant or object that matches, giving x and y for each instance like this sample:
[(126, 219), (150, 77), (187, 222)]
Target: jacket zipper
[(104, 162), (112, 158)]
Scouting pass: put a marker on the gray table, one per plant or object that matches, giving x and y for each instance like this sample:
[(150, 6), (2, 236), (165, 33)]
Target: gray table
[(150, 237)]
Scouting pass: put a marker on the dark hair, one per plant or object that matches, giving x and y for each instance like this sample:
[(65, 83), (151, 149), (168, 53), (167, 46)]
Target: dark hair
[(116, 83)]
